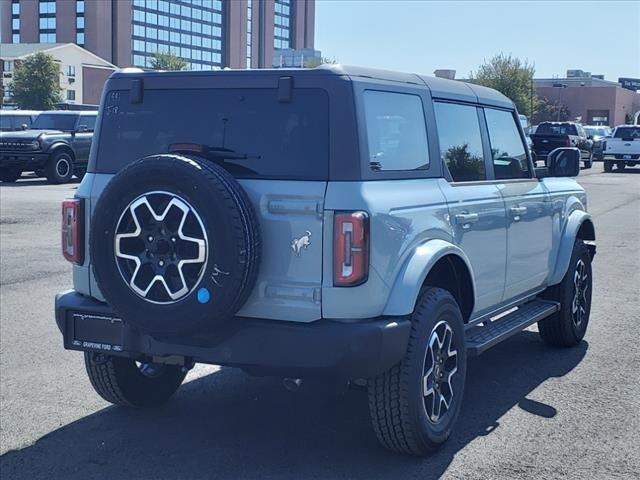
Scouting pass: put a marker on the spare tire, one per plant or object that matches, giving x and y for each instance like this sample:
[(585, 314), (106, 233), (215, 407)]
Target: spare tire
[(175, 244)]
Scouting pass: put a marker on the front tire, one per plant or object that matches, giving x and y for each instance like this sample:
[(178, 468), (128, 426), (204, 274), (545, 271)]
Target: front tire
[(568, 326), (123, 381), (608, 166), (10, 175), (621, 165), (59, 168), (589, 163), (416, 403)]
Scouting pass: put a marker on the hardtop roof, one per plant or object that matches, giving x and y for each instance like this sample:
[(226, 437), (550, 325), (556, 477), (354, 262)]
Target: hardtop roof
[(439, 87)]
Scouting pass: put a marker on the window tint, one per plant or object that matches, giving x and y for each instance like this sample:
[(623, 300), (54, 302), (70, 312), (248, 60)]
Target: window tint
[(5, 122), (556, 129), (396, 131), (627, 132), (284, 140), (507, 150), (460, 141), (89, 121), (49, 121)]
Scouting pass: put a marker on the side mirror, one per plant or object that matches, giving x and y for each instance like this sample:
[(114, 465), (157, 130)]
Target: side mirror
[(589, 137), (564, 162), (24, 126), (82, 129)]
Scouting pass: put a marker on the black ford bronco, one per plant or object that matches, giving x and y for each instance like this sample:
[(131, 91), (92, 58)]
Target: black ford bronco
[(56, 146)]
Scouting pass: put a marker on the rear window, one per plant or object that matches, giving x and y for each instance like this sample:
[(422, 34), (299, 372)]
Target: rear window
[(627, 132), (48, 121), (283, 140), (553, 129)]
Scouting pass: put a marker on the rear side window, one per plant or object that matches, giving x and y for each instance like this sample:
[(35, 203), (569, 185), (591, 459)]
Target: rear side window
[(396, 131), (509, 157), (89, 121), (282, 140), (460, 141)]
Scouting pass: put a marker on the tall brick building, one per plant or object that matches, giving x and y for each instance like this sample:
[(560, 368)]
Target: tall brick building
[(207, 33)]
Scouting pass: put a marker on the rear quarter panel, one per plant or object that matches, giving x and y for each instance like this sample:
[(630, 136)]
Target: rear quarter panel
[(403, 214)]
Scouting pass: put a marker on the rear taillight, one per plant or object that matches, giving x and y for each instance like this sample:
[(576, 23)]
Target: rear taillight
[(350, 248), (72, 231)]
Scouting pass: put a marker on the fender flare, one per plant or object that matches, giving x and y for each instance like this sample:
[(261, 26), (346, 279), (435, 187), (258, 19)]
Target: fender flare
[(61, 145), (576, 219), (408, 282)]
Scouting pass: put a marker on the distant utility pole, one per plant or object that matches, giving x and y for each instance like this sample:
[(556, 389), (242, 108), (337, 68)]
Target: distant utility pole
[(559, 86)]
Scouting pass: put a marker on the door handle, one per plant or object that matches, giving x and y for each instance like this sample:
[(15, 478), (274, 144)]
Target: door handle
[(466, 219), (516, 212)]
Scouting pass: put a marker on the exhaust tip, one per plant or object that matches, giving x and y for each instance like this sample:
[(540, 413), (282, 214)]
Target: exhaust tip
[(292, 384)]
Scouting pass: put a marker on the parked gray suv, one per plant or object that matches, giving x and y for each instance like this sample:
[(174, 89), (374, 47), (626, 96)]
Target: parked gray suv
[(336, 222)]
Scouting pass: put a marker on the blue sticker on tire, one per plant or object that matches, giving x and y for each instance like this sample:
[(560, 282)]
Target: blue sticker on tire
[(203, 295)]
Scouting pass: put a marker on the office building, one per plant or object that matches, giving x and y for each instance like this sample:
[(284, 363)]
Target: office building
[(206, 33)]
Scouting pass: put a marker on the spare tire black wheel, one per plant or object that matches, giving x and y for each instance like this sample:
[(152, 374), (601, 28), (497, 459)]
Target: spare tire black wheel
[(175, 244)]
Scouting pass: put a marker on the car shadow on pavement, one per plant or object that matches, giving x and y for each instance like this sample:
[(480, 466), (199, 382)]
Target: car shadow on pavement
[(227, 424)]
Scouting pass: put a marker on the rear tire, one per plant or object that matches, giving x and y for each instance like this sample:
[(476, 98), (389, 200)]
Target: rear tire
[(59, 168), (589, 163), (621, 165), (402, 401), (568, 326), (10, 175), (608, 166), (122, 381)]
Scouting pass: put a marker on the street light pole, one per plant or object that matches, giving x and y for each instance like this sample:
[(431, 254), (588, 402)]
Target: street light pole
[(559, 86)]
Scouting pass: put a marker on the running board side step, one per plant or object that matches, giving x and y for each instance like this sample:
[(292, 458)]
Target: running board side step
[(482, 338)]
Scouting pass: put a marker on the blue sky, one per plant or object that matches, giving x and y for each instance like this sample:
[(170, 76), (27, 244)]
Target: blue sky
[(420, 36)]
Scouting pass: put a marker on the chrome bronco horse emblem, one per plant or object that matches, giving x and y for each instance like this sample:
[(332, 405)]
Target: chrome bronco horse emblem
[(298, 244)]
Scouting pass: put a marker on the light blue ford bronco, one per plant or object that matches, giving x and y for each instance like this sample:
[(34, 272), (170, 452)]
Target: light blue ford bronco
[(341, 222)]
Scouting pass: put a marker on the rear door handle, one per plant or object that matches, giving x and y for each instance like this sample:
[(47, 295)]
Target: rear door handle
[(466, 219), (516, 212)]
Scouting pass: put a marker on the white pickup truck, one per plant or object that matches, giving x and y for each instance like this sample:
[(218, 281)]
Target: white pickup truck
[(623, 148)]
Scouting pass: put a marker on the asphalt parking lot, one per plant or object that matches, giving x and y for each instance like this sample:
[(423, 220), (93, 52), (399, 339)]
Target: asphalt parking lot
[(529, 411)]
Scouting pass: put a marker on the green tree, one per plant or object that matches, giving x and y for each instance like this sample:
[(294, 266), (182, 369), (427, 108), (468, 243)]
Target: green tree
[(510, 76), (167, 61), (36, 82), (317, 61), (551, 111)]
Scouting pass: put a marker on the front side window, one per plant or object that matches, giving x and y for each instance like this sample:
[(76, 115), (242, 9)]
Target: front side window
[(460, 141), (396, 131), (509, 156)]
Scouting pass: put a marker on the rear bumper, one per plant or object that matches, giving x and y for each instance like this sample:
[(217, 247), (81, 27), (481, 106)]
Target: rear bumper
[(348, 349), (23, 160)]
